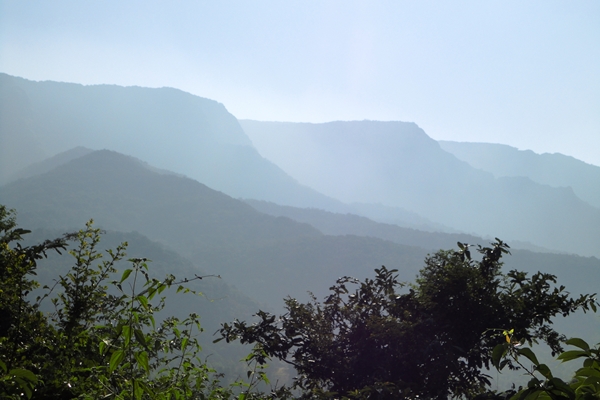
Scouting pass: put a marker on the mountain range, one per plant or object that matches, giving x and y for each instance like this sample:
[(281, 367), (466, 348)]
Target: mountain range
[(398, 165), (169, 128), (277, 209)]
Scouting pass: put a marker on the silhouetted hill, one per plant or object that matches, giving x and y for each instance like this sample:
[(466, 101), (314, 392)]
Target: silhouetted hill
[(221, 235), (123, 195), (397, 164), (169, 128), (556, 169), (48, 164), (265, 257)]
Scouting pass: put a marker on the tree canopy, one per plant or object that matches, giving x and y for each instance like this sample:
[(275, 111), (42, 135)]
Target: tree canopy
[(102, 340), (374, 339), (382, 338)]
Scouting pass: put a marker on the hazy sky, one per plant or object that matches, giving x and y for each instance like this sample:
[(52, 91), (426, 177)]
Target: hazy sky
[(524, 73)]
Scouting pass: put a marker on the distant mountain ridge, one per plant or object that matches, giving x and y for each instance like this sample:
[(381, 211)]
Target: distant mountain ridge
[(125, 195), (251, 250), (264, 257), (350, 224), (389, 171), (397, 164), (169, 128), (556, 170)]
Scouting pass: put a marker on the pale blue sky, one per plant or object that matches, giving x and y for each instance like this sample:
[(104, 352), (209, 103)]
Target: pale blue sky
[(523, 73)]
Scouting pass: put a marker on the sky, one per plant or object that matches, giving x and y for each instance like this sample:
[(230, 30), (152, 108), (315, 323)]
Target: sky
[(522, 73)]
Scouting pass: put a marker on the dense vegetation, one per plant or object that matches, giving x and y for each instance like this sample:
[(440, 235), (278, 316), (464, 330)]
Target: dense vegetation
[(102, 340), (384, 339), (429, 340)]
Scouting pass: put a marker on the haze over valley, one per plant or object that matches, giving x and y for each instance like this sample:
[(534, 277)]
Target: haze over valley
[(263, 203), (267, 160)]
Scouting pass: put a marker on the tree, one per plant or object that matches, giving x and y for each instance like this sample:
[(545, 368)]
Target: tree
[(584, 385), (102, 341), (387, 339), (25, 334)]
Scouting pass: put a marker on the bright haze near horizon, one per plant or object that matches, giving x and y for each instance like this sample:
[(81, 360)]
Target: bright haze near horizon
[(526, 74)]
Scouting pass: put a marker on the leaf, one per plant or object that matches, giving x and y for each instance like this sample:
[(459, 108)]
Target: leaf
[(534, 394), (588, 371), (137, 390), (577, 342), (497, 354), (25, 386), (126, 334), (184, 343), (24, 373), (571, 355), (143, 300), (529, 354), (142, 359), (115, 360), (592, 381), (562, 386), (544, 370), (139, 336), (125, 275)]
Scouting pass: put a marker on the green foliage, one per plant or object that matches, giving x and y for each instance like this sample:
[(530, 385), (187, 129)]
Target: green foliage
[(102, 340), (584, 385), (385, 339)]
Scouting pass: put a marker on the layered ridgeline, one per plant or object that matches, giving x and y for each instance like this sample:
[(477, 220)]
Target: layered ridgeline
[(556, 169), (169, 128), (266, 257), (397, 164)]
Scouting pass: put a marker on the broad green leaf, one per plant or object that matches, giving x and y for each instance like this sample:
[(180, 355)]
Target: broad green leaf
[(137, 390), (125, 275), (126, 334), (184, 343), (25, 386), (142, 359), (497, 354), (593, 381), (562, 386), (24, 373), (143, 300), (115, 360), (577, 342), (588, 372), (571, 355), (529, 354), (534, 394), (139, 336), (544, 370)]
